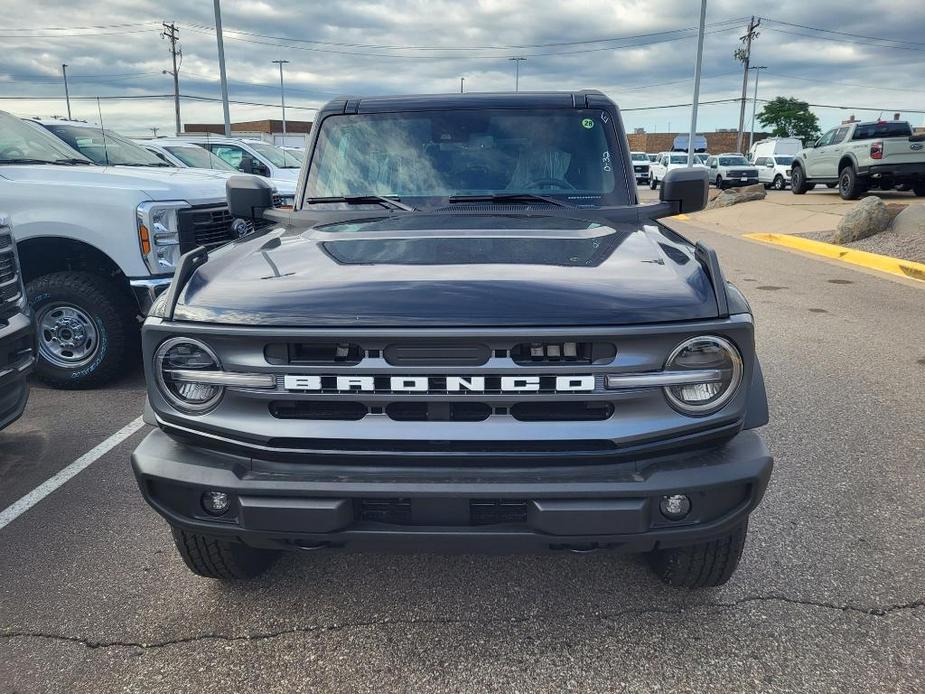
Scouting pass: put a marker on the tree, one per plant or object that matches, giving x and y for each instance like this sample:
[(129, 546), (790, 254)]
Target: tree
[(790, 117)]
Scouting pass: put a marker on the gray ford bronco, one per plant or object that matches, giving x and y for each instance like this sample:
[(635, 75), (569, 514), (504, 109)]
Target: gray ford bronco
[(468, 335)]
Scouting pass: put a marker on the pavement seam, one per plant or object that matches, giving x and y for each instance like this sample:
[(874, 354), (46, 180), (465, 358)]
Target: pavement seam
[(92, 644)]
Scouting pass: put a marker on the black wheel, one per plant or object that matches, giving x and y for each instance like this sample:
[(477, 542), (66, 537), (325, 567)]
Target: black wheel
[(653, 184), (850, 185), (706, 565), (919, 189), (779, 183), (212, 558), (798, 184), (85, 329), (719, 183)]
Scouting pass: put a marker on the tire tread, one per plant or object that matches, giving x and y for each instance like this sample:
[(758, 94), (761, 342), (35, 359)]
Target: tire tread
[(704, 565)]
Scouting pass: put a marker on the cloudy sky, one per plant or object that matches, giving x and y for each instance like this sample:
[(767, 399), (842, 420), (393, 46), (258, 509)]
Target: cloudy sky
[(866, 55)]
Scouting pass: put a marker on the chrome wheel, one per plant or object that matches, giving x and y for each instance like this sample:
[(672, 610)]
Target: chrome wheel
[(67, 335)]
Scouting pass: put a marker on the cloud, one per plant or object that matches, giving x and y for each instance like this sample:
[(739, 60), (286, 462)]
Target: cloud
[(353, 48)]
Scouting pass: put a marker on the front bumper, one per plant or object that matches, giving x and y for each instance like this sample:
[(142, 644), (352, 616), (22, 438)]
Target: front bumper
[(17, 357), (507, 509)]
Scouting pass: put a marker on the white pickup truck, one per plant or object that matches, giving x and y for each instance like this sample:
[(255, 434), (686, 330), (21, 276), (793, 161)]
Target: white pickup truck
[(98, 243), (859, 156)]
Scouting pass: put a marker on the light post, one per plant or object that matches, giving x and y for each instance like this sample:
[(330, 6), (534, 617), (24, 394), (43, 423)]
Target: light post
[(517, 61), (462, 81), (282, 93), (221, 65), (67, 97), (751, 135), (697, 66)]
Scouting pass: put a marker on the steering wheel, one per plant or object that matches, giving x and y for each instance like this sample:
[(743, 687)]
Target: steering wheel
[(560, 183), (12, 152)]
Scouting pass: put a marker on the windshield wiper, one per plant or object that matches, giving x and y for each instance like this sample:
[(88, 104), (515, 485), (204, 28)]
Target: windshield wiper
[(393, 203), (508, 197), (26, 161), (71, 161)]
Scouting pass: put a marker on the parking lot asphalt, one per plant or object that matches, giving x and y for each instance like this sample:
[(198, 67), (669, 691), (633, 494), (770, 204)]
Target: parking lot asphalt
[(830, 595)]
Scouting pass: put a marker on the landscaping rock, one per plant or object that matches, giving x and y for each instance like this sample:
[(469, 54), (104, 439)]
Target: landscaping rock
[(733, 196), (870, 216), (911, 222)]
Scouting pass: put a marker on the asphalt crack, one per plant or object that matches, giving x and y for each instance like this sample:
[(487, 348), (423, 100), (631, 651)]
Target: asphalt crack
[(611, 617)]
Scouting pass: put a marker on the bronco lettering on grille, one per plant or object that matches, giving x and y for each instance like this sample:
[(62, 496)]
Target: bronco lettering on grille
[(440, 384)]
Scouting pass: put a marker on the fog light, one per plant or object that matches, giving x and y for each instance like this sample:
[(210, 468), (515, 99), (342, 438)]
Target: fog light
[(216, 503), (675, 507)]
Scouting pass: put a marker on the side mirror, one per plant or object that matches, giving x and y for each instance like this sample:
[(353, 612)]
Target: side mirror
[(688, 189), (261, 169), (770, 164), (248, 196)]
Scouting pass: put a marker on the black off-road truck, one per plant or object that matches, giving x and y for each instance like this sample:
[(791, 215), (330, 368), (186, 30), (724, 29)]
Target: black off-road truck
[(468, 335)]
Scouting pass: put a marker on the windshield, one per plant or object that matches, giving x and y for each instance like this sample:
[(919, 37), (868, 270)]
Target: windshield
[(199, 158), (104, 146), (276, 156), (21, 141), (784, 161), (681, 159), (733, 161), (436, 154), (639, 156)]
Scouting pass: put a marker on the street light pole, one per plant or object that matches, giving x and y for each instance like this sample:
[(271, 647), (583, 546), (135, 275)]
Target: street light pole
[(461, 82), (517, 62), (221, 65), (67, 97), (697, 66), (757, 69), (282, 93)]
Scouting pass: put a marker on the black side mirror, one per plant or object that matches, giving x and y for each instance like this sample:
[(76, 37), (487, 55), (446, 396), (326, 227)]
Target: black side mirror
[(688, 189), (248, 196), (261, 169)]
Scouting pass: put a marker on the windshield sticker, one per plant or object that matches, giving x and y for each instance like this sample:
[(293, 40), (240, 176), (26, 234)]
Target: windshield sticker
[(604, 117), (605, 160), (587, 123)]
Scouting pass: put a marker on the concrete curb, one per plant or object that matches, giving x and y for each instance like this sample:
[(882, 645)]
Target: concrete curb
[(883, 263)]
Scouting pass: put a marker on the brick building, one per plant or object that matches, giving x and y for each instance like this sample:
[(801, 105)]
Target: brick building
[(269, 129), (719, 141)]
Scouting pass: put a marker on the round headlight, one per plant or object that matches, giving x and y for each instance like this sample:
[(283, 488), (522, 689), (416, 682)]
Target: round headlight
[(176, 362), (705, 354)]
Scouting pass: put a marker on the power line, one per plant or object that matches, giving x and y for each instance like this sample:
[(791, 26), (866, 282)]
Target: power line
[(844, 40), (341, 44), (842, 33), (457, 57), (74, 36), (92, 26)]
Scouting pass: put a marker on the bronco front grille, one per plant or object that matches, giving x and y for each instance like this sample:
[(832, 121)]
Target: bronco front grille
[(10, 281)]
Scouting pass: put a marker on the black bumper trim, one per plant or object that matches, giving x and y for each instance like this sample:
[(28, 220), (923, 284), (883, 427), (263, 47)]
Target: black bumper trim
[(612, 506)]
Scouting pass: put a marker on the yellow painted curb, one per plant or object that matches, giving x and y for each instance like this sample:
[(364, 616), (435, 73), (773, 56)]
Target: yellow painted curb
[(883, 263), (682, 217)]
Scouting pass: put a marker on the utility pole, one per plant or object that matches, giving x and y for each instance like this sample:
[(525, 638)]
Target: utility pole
[(462, 81), (67, 97), (517, 62), (697, 66), (757, 69), (745, 56), (282, 93), (221, 65), (154, 130), (171, 32)]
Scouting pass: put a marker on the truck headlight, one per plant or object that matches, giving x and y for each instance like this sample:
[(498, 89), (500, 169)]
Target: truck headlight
[(159, 234), (705, 354), (190, 376)]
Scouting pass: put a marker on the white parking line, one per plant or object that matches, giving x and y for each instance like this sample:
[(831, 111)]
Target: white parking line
[(11, 513)]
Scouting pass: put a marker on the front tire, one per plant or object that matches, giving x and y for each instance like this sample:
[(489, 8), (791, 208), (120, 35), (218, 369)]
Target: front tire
[(719, 183), (219, 559), (705, 565), (779, 183), (798, 184), (850, 185), (653, 184), (85, 329)]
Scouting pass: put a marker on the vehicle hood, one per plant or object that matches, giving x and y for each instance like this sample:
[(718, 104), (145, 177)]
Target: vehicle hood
[(285, 174), (284, 186), (452, 270), (196, 186)]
